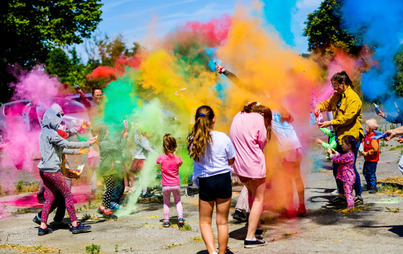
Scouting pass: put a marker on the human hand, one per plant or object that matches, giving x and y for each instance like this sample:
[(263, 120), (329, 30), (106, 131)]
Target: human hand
[(125, 134), (400, 139), (390, 134), (380, 113), (93, 140), (126, 125), (219, 68), (318, 141), (324, 124)]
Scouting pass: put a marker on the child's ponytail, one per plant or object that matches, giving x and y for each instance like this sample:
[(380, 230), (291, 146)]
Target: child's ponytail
[(201, 132)]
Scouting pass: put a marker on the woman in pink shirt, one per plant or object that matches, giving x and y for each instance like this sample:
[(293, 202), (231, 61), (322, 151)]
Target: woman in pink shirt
[(249, 135), (170, 164)]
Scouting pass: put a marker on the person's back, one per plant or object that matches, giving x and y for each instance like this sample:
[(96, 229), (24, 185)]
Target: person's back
[(215, 159), (169, 169), (249, 136)]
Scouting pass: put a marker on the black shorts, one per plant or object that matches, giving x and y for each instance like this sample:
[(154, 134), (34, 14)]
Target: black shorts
[(213, 187)]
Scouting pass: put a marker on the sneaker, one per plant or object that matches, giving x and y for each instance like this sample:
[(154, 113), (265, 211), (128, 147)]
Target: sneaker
[(358, 201), (81, 228), (181, 222), (107, 214), (37, 220), (189, 191), (254, 243), (373, 191), (147, 195), (44, 231), (239, 215), (166, 224), (338, 201)]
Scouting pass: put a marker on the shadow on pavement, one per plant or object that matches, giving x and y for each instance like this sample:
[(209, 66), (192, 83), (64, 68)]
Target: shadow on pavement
[(396, 229)]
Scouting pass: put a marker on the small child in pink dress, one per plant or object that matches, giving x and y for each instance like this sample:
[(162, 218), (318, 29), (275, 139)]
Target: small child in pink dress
[(170, 164), (345, 172)]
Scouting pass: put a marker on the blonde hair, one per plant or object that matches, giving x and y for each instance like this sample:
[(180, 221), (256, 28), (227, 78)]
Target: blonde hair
[(201, 132), (168, 144), (372, 123)]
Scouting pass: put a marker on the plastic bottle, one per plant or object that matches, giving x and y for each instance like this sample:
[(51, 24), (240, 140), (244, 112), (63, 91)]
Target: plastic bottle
[(319, 118), (377, 108)]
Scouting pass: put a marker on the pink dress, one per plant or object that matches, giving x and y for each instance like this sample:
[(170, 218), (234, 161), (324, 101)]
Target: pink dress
[(249, 136)]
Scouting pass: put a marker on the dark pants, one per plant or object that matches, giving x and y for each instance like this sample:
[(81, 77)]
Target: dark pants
[(339, 183), (119, 188), (60, 204), (369, 173)]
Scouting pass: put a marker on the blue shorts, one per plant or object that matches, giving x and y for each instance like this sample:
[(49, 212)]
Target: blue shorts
[(213, 187)]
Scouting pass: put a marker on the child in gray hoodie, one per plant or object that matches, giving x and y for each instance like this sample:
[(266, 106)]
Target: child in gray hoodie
[(51, 146)]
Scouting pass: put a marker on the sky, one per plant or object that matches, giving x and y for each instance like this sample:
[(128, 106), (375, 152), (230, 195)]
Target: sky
[(137, 19)]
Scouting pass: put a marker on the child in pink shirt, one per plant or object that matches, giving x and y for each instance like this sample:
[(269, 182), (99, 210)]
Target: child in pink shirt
[(170, 164), (345, 172)]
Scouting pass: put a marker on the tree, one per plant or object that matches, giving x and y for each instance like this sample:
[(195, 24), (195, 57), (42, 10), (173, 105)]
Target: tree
[(398, 84), (110, 50), (32, 28), (323, 30)]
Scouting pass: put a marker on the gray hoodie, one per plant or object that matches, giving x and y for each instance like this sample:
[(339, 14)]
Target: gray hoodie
[(51, 144)]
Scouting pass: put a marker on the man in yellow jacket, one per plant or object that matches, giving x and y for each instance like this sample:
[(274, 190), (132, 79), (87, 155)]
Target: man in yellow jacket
[(346, 106)]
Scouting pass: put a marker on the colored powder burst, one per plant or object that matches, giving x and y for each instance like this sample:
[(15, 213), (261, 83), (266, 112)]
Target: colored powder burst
[(36, 86), (278, 14), (380, 26), (272, 75), (40, 89), (120, 101), (153, 122), (341, 61)]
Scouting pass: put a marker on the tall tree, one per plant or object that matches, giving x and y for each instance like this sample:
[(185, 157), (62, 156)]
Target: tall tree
[(323, 30), (398, 84), (31, 29)]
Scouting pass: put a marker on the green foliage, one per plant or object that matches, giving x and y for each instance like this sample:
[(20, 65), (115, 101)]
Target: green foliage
[(93, 248), (32, 28), (112, 49), (323, 30), (398, 79), (69, 68), (186, 227)]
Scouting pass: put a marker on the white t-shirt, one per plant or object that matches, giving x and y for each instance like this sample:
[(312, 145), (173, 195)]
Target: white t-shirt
[(288, 141), (215, 159)]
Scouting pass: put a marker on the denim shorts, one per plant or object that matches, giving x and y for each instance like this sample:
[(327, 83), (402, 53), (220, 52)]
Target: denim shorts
[(213, 187)]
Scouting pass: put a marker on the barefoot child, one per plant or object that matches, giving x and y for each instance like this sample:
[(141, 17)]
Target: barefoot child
[(170, 164), (345, 171)]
